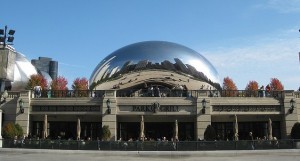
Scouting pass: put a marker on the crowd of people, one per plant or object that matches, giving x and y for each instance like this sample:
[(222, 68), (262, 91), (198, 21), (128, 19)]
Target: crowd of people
[(264, 92)]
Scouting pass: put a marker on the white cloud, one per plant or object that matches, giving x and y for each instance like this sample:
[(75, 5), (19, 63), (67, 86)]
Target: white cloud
[(265, 59)]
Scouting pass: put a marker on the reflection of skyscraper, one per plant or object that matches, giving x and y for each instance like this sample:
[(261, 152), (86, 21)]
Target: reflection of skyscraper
[(193, 71), (102, 68), (125, 67), (44, 64), (114, 70), (106, 74), (141, 64), (103, 72), (168, 65), (180, 66), (131, 67)]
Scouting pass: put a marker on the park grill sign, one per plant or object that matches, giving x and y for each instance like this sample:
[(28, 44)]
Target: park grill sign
[(154, 107)]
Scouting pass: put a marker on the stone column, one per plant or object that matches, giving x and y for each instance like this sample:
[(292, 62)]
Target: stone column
[(0, 128), (0, 124), (23, 118), (290, 117), (110, 119), (203, 118)]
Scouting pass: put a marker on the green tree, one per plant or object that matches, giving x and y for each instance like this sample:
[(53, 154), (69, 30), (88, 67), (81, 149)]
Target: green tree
[(106, 133), (295, 132), (19, 130), (10, 130), (210, 133)]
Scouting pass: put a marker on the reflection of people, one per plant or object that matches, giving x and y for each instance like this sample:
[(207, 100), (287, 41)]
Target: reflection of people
[(150, 92), (156, 92)]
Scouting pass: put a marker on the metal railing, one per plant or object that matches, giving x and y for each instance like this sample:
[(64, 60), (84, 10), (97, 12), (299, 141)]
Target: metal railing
[(152, 145), (11, 94), (160, 93)]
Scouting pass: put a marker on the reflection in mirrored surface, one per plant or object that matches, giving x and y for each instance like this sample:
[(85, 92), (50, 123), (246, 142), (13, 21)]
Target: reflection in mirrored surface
[(159, 56), (23, 69)]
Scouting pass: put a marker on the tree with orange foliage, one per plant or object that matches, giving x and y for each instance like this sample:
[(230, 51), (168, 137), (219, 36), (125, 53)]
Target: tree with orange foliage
[(276, 85), (228, 84), (59, 86), (251, 89), (229, 87), (80, 86), (60, 83), (37, 80)]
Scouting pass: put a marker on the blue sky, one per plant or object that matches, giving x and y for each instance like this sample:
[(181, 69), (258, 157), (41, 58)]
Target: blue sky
[(245, 40)]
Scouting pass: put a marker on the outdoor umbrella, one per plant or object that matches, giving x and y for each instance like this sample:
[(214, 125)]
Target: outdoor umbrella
[(78, 129), (142, 128), (236, 129), (176, 131), (45, 128), (142, 135), (270, 129)]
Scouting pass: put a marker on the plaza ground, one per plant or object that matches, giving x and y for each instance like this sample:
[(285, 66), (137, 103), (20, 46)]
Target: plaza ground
[(79, 155)]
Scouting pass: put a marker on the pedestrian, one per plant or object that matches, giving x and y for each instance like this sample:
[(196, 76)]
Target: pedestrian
[(250, 138), (261, 91), (268, 89), (37, 91)]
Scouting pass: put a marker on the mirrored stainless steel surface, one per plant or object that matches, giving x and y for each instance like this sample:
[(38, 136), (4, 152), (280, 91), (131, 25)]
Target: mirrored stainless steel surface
[(22, 71), (155, 55)]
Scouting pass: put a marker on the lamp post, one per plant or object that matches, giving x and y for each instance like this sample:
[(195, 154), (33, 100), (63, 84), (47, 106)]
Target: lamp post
[(8, 64), (108, 106), (6, 37), (203, 106), (21, 105), (292, 103)]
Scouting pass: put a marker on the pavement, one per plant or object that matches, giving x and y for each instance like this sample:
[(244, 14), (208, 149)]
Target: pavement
[(14, 154)]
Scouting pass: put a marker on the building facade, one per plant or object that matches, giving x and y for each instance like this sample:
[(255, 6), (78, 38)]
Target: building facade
[(154, 91), (46, 65), (123, 115)]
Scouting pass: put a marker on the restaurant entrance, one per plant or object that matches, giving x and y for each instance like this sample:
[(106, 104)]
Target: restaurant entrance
[(66, 130), (155, 131)]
